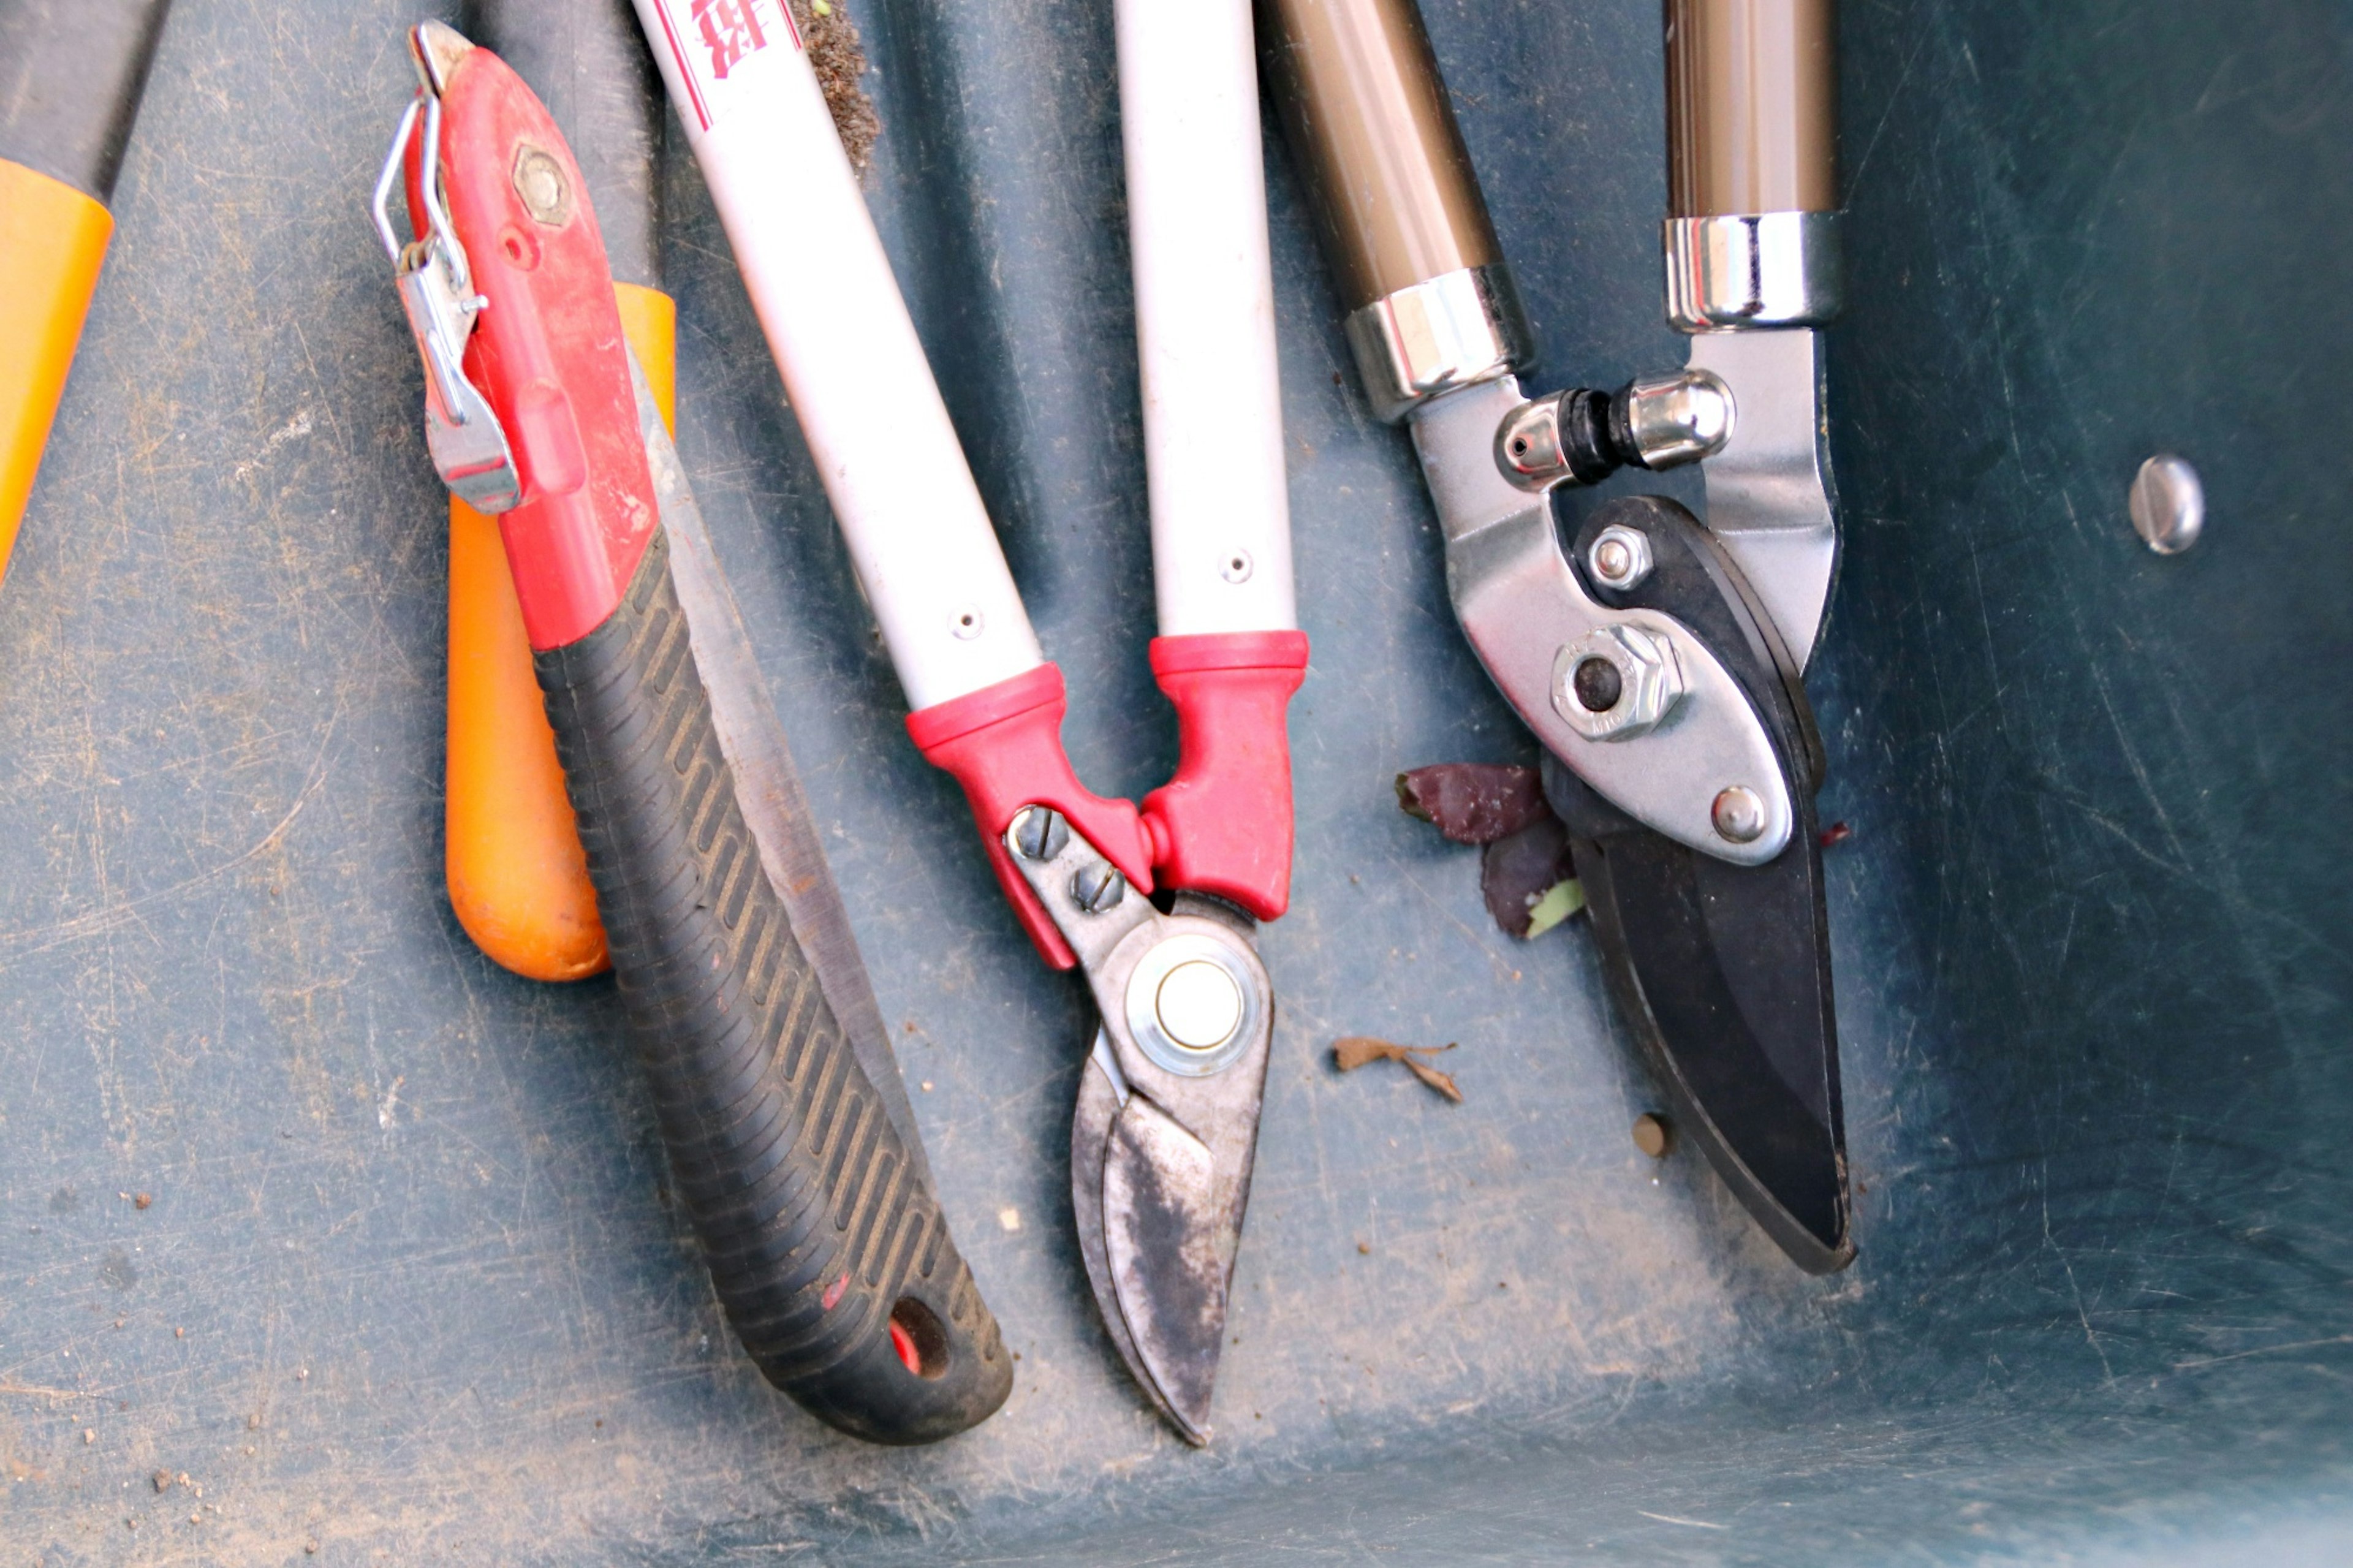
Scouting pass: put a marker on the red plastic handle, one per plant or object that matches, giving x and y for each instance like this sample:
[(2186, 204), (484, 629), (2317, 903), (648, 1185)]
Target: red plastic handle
[(1222, 826), (1004, 744), (548, 354)]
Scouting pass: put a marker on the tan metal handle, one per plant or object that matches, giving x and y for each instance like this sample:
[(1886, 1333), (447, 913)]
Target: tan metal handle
[(1377, 142), (1751, 108)]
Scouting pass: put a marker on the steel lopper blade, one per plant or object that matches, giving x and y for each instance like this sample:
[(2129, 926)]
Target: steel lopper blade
[(1167, 1241), (1165, 1131), (1722, 970)]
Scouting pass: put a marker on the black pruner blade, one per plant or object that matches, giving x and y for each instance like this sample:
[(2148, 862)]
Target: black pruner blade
[(1723, 971)]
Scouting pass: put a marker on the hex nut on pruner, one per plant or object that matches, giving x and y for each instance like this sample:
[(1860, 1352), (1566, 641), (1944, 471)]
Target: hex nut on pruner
[(1620, 557), (1649, 682)]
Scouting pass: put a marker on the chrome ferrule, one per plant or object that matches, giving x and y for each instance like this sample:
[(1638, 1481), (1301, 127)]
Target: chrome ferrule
[(1757, 270), (1453, 330)]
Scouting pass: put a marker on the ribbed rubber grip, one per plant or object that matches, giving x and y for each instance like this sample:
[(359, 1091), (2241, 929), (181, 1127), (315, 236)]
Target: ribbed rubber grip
[(821, 1237)]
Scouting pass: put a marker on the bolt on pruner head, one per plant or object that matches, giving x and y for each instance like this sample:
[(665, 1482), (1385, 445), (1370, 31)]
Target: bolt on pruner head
[(1617, 682)]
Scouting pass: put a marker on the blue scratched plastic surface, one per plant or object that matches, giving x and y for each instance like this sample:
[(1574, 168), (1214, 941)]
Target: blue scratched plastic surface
[(409, 1286)]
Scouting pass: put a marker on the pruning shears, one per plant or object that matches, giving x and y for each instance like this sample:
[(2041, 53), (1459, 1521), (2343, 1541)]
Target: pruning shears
[(813, 1204), (1658, 657), (1157, 905)]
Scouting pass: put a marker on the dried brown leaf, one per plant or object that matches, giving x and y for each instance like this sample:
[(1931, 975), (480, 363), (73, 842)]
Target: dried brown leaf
[(1354, 1051), (1436, 1079)]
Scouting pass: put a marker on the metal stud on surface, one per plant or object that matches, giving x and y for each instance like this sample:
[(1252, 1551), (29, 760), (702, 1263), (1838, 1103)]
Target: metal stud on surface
[(2167, 504)]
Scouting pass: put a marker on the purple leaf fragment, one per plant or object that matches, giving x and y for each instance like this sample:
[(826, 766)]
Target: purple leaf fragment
[(1515, 873), (1473, 802)]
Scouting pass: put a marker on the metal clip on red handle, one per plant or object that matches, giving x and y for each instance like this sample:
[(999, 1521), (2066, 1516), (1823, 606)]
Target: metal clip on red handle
[(1222, 826)]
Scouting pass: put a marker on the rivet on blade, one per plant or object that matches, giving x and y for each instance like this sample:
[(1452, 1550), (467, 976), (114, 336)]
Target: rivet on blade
[(1739, 814), (1620, 557)]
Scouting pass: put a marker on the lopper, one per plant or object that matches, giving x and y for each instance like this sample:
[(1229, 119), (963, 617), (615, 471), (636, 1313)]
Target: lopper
[(810, 1197), (72, 75), (1158, 905), (1659, 657)]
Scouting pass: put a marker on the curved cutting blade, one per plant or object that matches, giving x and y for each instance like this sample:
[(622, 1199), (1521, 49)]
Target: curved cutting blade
[(1723, 974), (1100, 1092), (1723, 971), (1167, 1244)]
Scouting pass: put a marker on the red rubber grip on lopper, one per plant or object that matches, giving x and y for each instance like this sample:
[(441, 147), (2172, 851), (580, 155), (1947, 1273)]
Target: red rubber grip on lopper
[(1004, 744), (1222, 826)]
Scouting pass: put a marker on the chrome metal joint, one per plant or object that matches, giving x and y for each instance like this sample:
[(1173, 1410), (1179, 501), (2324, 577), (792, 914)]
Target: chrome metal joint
[(1618, 683), (1679, 419), (1521, 602), (1453, 330), (1192, 1004), (1528, 447), (1182, 995), (1753, 270)]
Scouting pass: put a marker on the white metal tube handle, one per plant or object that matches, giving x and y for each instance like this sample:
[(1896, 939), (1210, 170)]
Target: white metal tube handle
[(1205, 316), (853, 369)]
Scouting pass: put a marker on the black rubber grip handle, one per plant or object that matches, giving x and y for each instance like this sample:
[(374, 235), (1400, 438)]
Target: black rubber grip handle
[(820, 1236)]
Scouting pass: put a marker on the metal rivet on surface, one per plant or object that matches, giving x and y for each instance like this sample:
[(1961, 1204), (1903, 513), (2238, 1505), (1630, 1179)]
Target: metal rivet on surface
[(539, 181), (1097, 887), (2167, 504), (1198, 1004), (1653, 1134), (1237, 567), (1620, 557), (1738, 814), (1040, 834)]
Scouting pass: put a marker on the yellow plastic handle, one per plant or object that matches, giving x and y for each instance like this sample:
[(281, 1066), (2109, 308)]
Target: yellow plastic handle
[(518, 877), (52, 242)]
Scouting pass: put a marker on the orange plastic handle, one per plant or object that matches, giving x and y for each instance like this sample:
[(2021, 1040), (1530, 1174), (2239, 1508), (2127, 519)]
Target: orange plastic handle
[(52, 242), (518, 877)]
